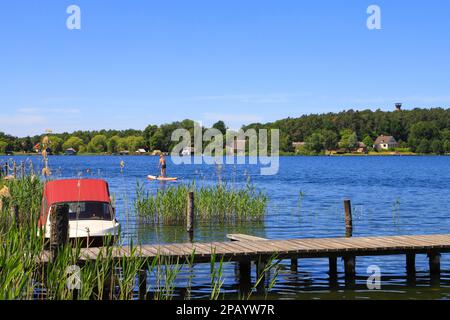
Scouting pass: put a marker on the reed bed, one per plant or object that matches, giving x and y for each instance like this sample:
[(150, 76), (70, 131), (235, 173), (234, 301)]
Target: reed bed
[(219, 203)]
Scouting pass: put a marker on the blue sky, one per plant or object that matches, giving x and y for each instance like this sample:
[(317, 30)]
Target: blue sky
[(139, 62)]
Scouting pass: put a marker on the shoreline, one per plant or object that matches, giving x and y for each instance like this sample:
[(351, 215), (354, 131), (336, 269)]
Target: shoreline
[(281, 155)]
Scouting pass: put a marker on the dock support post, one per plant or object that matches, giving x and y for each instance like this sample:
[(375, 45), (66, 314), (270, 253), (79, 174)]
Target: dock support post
[(333, 267), (190, 214), (435, 266), (14, 170), (6, 166), (411, 264), (349, 261), (411, 269), (294, 265), (350, 272), (332, 273), (142, 284), (59, 230), (261, 276), (244, 271)]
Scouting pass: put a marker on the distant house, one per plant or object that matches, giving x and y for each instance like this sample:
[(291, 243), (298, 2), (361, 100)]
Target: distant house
[(124, 152), (141, 151), (385, 143), (70, 152), (361, 148)]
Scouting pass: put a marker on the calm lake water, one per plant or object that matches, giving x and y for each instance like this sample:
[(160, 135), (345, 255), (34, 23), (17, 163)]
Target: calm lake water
[(390, 196)]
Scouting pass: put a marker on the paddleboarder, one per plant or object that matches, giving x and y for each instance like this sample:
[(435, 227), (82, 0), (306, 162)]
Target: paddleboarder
[(162, 165)]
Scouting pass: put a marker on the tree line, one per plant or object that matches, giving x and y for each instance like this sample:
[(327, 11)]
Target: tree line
[(104, 141), (419, 130)]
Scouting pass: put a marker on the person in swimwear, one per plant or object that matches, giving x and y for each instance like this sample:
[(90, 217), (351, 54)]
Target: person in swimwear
[(162, 165)]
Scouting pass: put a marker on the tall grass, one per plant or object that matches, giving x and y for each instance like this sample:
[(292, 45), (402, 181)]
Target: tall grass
[(218, 203)]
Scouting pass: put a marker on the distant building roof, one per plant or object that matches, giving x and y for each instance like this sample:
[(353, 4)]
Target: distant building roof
[(361, 145), (385, 139), (141, 151)]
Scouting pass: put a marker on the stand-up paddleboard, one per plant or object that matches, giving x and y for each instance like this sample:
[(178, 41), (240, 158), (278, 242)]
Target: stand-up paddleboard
[(161, 178)]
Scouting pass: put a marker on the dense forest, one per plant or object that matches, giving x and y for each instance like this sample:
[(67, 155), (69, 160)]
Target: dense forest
[(418, 130)]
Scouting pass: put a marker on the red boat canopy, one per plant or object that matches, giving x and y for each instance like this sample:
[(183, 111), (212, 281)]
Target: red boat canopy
[(74, 190)]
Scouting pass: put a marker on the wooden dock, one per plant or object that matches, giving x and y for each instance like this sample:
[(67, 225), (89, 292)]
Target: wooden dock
[(284, 249), (247, 249)]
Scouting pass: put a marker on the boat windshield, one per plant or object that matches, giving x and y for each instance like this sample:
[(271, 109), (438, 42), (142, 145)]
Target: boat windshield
[(90, 211)]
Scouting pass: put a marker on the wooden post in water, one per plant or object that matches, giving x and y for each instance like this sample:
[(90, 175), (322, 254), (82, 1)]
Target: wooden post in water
[(435, 267), (244, 271), (190, 213), (332, 272), (411, 269), (261, 275), (411, 264), (14, 170), (349, 261), (348, 219), (6, 166), (59, 230), (332, 267), (294, 265)]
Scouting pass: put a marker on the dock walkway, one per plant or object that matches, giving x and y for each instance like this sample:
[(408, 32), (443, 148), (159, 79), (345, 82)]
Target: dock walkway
[(247, 249)]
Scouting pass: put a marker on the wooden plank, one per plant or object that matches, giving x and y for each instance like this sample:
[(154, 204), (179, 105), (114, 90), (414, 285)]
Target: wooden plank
[(314, 246), (305, 246), (178, 250), (243, 237), (246, 247), (379, 244), (203, 249), (149, 251), (405, 243), (226, 247), (416, 242), (183, 249), (262, 246)]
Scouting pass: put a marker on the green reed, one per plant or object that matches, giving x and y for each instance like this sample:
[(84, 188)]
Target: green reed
[(218, 203)]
